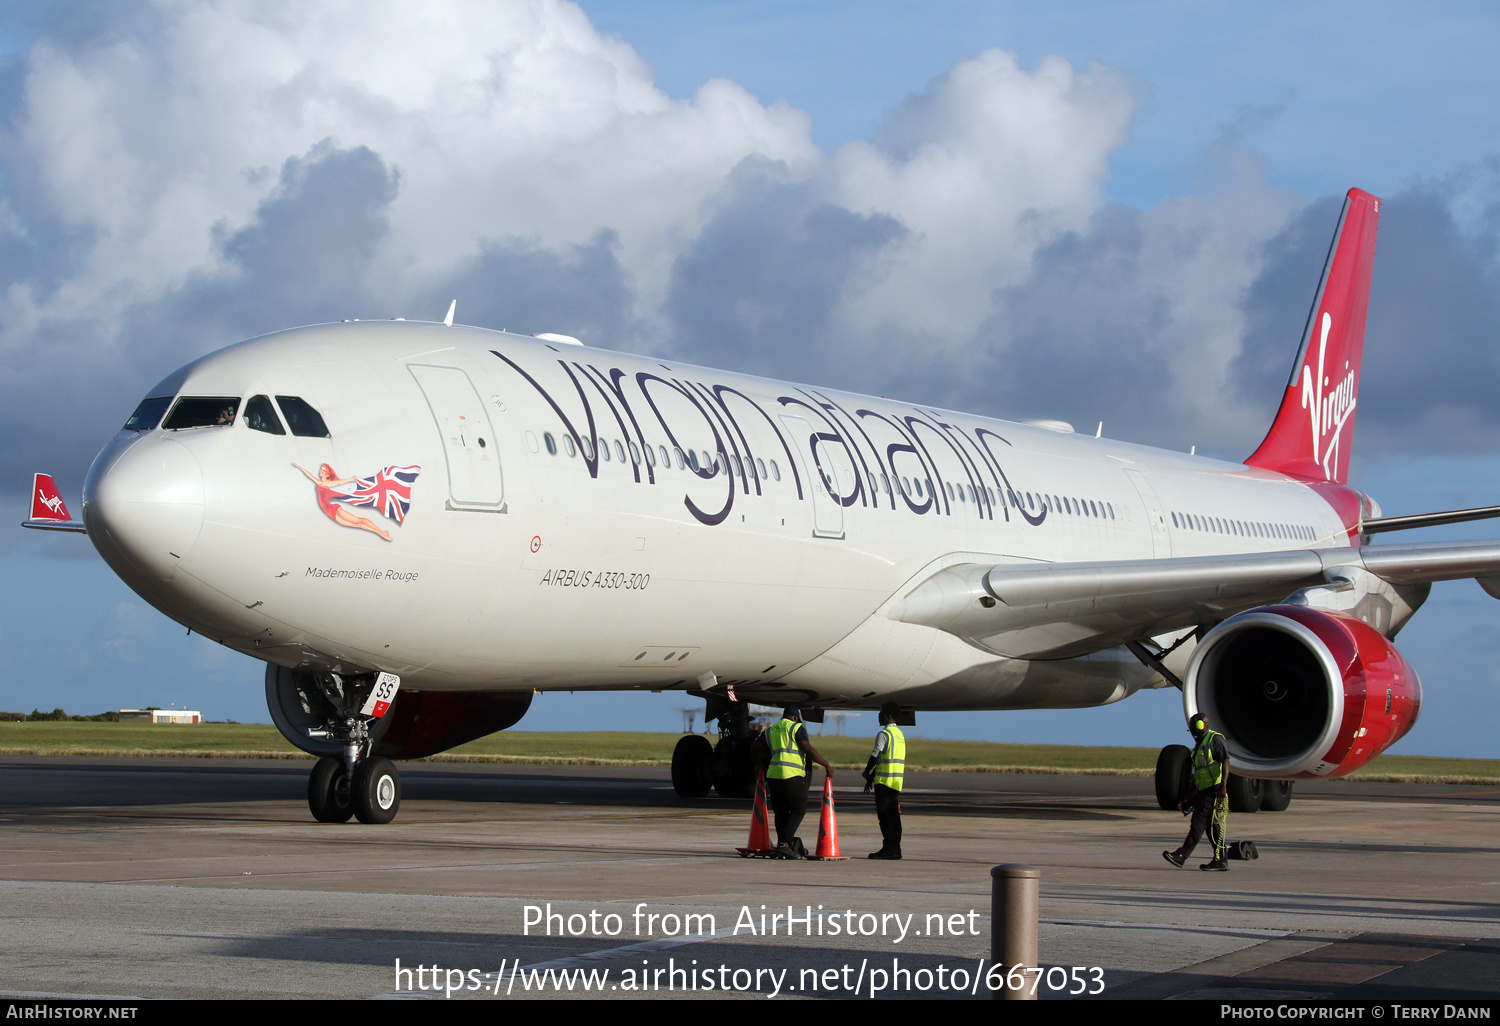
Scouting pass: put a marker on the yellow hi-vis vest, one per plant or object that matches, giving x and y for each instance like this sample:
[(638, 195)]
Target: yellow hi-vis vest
[(890, 768), (1207, 772), (786, 758)]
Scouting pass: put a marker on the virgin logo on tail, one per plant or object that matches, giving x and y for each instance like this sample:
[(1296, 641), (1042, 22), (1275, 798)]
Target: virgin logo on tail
[(46, 502), (1328, 413), (1309, 438)]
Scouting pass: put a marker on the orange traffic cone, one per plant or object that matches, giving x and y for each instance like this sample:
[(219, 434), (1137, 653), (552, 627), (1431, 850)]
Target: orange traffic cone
[(828, 828), (759, 844)]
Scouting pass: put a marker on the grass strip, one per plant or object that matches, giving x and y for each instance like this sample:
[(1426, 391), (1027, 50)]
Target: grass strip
[(621, 748)]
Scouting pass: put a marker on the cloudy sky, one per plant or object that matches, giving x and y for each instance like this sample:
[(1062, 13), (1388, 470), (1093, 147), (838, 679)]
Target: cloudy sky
[(1087, 211)]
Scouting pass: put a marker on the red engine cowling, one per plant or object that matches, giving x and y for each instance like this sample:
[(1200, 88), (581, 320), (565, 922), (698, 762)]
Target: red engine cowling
[(1300, 693)]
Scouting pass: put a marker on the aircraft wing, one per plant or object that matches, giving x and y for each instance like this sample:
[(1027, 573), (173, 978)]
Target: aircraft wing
[(1057, 610)]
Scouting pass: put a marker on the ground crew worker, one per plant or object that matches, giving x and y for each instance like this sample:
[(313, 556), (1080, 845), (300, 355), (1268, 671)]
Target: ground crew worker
[(885, 773), (1210, 796), (783, 750)]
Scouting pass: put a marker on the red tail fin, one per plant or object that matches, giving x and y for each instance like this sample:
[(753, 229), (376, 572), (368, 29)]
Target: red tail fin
[(1310, 437), (46, 503)]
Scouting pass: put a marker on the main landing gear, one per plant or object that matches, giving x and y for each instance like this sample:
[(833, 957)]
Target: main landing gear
[(727, 767), (1174, 783), (354, 783)]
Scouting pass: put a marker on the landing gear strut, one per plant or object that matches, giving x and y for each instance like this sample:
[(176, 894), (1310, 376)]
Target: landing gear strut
[(355, 783), (732, 769)]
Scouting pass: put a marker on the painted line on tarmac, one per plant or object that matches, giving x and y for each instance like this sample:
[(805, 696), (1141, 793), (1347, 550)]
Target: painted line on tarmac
[(165, 880), (1230, 931)]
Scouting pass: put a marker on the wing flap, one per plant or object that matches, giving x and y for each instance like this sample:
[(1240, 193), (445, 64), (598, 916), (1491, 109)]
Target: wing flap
[(1059, 610)]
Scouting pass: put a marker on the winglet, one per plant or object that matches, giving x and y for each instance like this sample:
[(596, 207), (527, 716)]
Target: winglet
[(448, 320), (1310, 437), (48, 511)]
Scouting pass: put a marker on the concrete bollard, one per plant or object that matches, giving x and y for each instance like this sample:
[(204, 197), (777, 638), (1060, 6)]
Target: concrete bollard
[(1015, 905)]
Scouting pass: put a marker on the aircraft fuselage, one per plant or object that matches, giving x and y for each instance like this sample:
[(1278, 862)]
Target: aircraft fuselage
[(576, 518)]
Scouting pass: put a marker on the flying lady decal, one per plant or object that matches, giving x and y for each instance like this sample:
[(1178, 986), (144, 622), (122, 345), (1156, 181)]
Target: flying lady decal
[(388, 492)]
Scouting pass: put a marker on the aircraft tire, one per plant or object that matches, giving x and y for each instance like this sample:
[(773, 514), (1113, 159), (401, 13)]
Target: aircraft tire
[(1245, 793), (1172, 767), (327, 796), (690, 761), (1275, 795), (376, 791), (733, 769)]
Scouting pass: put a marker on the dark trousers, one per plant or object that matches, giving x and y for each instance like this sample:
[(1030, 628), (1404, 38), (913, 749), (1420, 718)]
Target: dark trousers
[(1210, 812), (888, 811), (788, 798)]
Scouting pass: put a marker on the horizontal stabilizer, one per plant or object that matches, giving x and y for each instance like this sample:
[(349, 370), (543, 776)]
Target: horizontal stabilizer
[(48, 511), (1411, 520)]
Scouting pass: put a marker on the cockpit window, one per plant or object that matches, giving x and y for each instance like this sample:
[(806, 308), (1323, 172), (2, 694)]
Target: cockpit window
[(260, 415), (304, 421), (148, 414), (195, 411)]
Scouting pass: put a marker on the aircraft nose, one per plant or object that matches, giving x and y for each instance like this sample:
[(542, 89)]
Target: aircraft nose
[(146, 504)]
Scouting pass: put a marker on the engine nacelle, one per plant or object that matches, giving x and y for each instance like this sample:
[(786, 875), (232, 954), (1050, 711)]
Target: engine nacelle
[(419, 723), (1300, 693)]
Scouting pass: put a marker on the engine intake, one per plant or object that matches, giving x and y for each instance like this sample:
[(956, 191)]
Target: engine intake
[(1300, 693)]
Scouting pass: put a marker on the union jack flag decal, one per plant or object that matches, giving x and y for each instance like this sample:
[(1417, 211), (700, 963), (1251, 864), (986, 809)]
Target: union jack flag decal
[(389, 492)]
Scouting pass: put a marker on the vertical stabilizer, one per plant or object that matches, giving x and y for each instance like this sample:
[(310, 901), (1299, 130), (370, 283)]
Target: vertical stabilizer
[(1310, 438), (46, 502), (48, 511)]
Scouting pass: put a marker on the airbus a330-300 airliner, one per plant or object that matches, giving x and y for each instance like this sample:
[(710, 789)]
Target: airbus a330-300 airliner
[(419, 525)]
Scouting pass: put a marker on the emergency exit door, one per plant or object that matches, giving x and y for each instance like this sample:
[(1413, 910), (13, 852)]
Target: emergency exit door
[(474, 477), (1156, 515), (822, 476)]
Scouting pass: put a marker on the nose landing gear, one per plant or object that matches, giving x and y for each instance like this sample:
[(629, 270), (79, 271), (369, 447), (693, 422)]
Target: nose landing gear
[(355, 783)]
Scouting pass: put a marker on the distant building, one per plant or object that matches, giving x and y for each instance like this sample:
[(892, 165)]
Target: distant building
[(162, 715)]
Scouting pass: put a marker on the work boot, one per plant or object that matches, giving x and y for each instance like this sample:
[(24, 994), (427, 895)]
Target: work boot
[(1177, 858), (785, 851), (1216, 866), (888, 854)]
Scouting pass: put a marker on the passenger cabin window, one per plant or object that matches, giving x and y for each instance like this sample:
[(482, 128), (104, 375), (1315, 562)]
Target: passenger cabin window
[(148, 414), (550, 443), (260, 415), (304, 421), (193, 411), (568, 446)]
